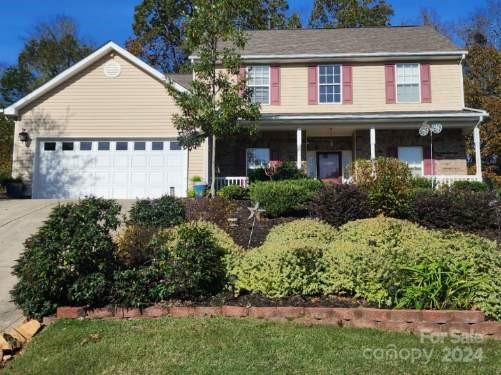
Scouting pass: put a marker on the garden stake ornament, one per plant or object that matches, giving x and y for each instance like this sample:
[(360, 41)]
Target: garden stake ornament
[(255, 214)]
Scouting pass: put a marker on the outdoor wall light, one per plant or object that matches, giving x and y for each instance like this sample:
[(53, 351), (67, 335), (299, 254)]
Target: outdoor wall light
[(24, 137)]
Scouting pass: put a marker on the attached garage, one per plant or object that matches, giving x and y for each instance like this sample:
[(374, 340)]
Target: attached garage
[(120, 169), (104, 127)]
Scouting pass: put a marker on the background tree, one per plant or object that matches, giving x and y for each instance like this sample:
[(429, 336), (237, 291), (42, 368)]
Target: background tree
[(52, 47), (294, 21), (6, 142), (264, 15), (350, 13), (159, 34), (218, 101)]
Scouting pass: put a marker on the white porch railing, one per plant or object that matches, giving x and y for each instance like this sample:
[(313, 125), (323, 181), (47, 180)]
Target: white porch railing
[(225, 181), (439, 180), (450, 179)]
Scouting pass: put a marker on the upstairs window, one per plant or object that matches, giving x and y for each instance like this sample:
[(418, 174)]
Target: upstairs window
[(329, 83), (407, 83), (259, 83)]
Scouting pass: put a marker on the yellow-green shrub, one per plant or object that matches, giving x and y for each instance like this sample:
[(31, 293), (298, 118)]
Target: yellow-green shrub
[(369, 258), (290, 262), (302, 229)]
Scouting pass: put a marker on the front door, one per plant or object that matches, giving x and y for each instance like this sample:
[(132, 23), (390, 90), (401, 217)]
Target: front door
[(329, 165)]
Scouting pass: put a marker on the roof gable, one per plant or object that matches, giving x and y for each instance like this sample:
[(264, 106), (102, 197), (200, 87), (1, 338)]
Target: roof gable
[(109, 47)]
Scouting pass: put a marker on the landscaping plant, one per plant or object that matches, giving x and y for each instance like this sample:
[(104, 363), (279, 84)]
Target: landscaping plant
[(287, 197), (66, 256), (234, 192), (163, 212), (387, 181), (337, 204)]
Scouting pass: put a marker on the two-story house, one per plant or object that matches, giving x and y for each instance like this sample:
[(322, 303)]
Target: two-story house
[(328, 97)]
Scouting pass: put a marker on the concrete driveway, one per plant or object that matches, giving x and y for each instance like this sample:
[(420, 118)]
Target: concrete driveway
[(18, 220)]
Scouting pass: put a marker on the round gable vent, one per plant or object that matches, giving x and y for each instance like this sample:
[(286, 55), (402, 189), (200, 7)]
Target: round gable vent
[(112, 69)]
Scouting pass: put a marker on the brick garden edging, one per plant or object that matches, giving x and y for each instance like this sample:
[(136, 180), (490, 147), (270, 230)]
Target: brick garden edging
[(414, 321)]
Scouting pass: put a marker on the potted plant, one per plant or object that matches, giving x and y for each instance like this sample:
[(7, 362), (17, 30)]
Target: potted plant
[(15, 187), (199, 187)]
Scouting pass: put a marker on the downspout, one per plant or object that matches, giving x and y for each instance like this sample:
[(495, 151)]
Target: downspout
[(461, 78)]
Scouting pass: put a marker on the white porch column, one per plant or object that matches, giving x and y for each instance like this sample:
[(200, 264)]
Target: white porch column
[(478, 156), (299, 141), (373, 143)]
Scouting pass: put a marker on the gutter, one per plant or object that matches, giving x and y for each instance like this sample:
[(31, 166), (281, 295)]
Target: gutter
[(369, 117), (349, 55)]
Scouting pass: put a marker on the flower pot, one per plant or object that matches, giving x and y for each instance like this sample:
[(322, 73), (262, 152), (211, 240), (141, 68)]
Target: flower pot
[(199, 188), (15, 189)]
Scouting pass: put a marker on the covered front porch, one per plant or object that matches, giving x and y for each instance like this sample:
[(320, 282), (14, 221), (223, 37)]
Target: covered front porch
[(325, 146)]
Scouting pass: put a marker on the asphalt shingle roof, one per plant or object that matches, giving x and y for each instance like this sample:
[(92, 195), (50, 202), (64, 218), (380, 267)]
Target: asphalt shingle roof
[(349, 40)]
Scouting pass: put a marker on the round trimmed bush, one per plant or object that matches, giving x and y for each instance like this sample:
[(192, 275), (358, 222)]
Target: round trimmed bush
[(302, 229), (234, 192), (66, 256), (163, 212), (340, 203), (394, 262)]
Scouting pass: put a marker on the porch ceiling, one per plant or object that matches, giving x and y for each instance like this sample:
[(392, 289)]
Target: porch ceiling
[(383, 120)]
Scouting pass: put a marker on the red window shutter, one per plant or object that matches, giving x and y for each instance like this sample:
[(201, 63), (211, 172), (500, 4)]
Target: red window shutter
[(275, 84), (312, 85), (389, 77), (428, 162), (347, 84), (241, 78), (425, 83)]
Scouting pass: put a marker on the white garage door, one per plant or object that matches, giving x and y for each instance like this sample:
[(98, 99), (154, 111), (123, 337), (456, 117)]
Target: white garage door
[(122, 169)]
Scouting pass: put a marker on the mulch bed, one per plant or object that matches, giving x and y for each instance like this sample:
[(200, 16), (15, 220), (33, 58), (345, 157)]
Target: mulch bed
[(229, 299)]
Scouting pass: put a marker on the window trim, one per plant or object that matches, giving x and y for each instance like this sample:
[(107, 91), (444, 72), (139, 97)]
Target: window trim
[(419, 83), (422, 157), (340, 84), (269, 81), (247, 159)]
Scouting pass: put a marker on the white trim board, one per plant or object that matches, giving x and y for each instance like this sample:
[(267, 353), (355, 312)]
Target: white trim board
[(13, 109)]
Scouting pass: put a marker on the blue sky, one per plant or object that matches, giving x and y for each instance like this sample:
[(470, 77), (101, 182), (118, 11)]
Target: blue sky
[(103, 20)]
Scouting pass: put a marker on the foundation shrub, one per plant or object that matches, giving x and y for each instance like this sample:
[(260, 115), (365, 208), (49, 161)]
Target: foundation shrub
[(388, 183), (74, 243), (393, 262), (340, 203), (456, 209), (235, 192), (287, 197), (163, 212)]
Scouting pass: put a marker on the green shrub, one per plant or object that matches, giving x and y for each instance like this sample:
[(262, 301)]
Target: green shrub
[(440, 283), (338, 204), (372, 259), (456, 209), (302, 229), (387, 181), (193, 260), (75, 242), (92, 290), (290, 262), (235, 192), (469, 186), (164, 212), (279, 269), (138, 286), (421, 183), (280, 198), (257, 174)]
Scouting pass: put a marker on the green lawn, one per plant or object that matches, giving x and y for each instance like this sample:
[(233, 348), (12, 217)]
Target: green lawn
[(228, 346)]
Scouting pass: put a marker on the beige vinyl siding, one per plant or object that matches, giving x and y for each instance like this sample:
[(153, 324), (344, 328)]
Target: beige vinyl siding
[(368, 91), (135, 104)]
